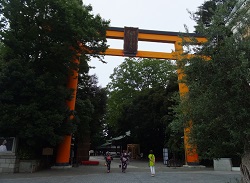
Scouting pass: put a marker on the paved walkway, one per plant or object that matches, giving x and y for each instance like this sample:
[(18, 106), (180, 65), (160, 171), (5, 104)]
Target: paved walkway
[(137, 172)]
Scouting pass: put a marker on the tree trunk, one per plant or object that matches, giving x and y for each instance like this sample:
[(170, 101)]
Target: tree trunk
[(83, 152), (245, 167), (83, 147)]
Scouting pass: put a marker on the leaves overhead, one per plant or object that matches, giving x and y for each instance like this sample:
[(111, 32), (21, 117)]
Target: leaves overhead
[(39, 40)]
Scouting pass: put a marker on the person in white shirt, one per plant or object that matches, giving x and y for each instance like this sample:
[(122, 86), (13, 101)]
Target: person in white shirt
[(3, 146)]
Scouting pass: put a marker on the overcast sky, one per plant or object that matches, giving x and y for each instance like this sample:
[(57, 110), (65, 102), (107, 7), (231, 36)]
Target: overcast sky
[(161, 15)]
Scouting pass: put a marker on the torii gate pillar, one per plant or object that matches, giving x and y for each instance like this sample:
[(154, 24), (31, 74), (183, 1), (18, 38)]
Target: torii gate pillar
[(63, 151)]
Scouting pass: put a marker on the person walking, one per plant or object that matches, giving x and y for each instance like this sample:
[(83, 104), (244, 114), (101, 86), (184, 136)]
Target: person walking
[(108, 159), (151, 158), (124, 161)]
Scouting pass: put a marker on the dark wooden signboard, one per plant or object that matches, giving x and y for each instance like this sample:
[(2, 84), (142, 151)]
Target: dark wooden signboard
[(130, 41)]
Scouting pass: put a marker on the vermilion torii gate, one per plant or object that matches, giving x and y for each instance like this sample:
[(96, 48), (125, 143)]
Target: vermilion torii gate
[(131, 36)]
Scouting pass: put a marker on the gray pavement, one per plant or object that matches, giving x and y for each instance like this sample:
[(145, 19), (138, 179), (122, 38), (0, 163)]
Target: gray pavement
[(137, 172)]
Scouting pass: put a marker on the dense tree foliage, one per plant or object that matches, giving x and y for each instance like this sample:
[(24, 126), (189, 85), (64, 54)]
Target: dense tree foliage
[(132, 77), (207, 10), (139, 98), (218, 101), (91, 110), (40, 38), (148, 116)]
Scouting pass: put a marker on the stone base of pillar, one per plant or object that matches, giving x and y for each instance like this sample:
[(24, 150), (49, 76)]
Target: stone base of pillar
[(223, 164), (8, 163), (61, 167)]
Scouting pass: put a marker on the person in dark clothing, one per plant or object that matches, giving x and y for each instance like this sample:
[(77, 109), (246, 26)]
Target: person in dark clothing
[(124, 161), (108, 159)]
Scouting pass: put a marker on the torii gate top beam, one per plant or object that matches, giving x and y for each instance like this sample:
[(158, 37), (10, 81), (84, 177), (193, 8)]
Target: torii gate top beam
[(150, 36)]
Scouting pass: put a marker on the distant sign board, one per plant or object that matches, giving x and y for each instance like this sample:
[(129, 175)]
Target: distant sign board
[(47, 151)]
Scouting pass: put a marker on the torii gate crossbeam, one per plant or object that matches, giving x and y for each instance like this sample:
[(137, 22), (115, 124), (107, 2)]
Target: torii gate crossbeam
[(151, 36)]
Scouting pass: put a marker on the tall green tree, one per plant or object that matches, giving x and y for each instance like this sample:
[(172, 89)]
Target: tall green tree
[(90, 111), (40, 38), (148, 117), (132, 77), (218, 101), (139, 97), (206, 11)]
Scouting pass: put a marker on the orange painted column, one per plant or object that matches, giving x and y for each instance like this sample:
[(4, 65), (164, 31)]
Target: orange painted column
[(63, 151), (191, 156)]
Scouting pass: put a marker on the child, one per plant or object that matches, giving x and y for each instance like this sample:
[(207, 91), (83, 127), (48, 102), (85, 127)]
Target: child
[(151, 158), (108, 159)]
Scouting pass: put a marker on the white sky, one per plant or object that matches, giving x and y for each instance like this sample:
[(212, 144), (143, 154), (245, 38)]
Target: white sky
[(161, 15)]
